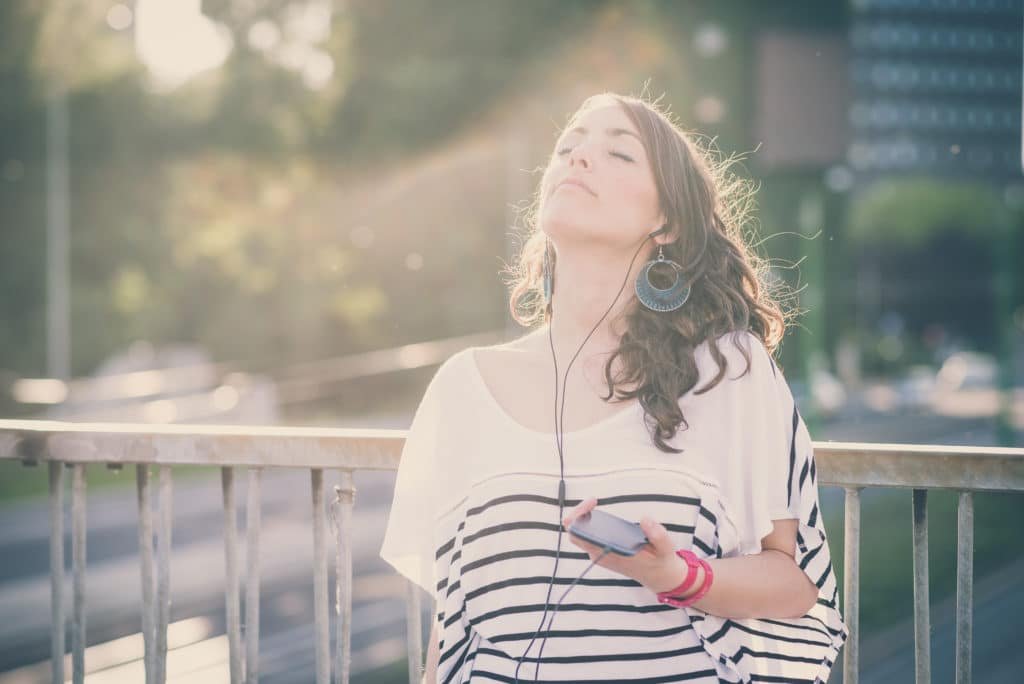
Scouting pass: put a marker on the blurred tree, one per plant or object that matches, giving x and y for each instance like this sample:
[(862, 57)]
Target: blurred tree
[(909, 212), (415, 86), (926, 248), (290, 203), (204, 213)]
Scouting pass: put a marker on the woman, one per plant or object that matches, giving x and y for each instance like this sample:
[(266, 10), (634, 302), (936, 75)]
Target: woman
[(736, 582)]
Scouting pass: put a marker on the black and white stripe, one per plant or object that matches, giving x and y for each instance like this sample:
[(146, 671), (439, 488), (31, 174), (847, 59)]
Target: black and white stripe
[(484, 540), (795, 650), (609, 627)]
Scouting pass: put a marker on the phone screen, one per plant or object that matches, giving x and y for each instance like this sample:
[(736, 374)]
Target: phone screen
[(621, 536)]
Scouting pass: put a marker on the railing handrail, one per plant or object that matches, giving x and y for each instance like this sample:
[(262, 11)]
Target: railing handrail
[(212, 445), (844, 464), (850, 465)]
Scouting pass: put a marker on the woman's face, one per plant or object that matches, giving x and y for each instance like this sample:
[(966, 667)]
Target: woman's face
[(615, 201)]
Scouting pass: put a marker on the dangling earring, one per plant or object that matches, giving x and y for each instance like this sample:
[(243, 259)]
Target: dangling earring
[(655, 298), (547, 275)]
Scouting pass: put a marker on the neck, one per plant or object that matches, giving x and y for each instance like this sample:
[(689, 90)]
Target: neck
[(586, 284)]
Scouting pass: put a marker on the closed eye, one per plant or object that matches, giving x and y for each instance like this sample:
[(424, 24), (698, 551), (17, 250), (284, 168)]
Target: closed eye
[(620, 155)]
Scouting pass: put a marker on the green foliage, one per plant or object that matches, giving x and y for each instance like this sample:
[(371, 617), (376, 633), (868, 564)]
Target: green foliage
[(423, 70), (909, 212), (207, 214), (272, 219)]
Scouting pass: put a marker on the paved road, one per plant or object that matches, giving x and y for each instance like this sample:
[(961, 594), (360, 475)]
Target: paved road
[(286, 603)]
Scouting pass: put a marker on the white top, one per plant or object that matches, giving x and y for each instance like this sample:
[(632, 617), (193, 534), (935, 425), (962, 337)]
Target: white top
[(475, 522)]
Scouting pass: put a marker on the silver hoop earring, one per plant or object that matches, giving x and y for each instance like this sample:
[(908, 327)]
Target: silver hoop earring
[(655, 298)]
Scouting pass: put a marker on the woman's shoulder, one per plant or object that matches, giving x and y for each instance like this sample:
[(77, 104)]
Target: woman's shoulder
[(528, 343), (447, 379), (520, 353), (739, 367), (459, 368), (733, 349)]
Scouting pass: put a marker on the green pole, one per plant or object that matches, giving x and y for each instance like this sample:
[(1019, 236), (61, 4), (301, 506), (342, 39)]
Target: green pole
[(811, 333), (1007, 298)]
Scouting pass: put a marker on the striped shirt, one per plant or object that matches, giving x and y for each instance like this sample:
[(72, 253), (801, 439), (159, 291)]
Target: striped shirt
[(475, 521)]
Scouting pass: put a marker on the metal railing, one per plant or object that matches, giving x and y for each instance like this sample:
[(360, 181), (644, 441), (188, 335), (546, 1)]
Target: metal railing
[(852, 466)]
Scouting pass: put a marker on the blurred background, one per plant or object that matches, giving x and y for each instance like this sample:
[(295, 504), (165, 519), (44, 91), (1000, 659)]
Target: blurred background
[(289, 212)]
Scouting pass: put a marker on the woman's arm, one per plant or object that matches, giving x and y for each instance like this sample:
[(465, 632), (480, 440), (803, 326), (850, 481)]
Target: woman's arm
[(433, 655), (768, 584)]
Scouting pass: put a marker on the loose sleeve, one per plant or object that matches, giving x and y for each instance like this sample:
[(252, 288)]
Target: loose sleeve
[(769, 474), (409, 540), (762, 481)]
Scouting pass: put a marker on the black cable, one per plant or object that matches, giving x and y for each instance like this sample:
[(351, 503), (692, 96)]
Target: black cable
[(559, 440), (554, 610)]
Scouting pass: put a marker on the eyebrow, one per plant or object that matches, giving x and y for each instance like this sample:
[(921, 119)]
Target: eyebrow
[(614, 132)]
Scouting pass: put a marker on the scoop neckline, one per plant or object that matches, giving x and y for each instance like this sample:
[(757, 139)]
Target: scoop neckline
[(507, 417)]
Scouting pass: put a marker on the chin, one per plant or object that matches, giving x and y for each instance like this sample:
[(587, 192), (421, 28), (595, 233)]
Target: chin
[(567, 220), (585, 235), (568, 229)]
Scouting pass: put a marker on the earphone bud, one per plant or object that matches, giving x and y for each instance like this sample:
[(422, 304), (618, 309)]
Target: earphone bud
[(663, 229)]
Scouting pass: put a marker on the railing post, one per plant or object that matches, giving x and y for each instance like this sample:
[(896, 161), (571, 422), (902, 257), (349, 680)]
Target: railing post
[(321, 637), (146, 570), (344, 500), (252, 576), (922, 621), (57, 572), (851, 583), (414, 631), (964, 585), (163, 573), (78, 563), (227, 482)]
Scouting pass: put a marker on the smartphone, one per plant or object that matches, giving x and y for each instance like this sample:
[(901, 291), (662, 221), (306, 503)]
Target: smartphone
[(604, 529)]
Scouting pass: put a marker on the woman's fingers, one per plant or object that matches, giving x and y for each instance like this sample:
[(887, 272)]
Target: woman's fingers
[(657, 535), (582, 508)]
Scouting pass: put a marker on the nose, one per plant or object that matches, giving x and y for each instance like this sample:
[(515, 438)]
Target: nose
[(579, 155)]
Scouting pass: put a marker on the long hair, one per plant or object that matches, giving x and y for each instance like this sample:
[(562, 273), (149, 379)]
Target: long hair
[(706, 207)]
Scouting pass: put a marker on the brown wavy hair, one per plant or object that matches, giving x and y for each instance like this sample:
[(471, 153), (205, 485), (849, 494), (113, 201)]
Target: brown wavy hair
[(706, 207)]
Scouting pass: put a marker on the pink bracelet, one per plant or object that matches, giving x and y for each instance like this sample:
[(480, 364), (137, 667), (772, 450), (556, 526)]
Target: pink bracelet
[(670, 597)]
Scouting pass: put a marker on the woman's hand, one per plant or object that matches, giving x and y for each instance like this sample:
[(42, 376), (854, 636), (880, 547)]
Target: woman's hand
[(656, 565)]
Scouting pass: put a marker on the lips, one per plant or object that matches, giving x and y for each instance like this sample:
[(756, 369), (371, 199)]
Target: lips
[(578, 183)]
